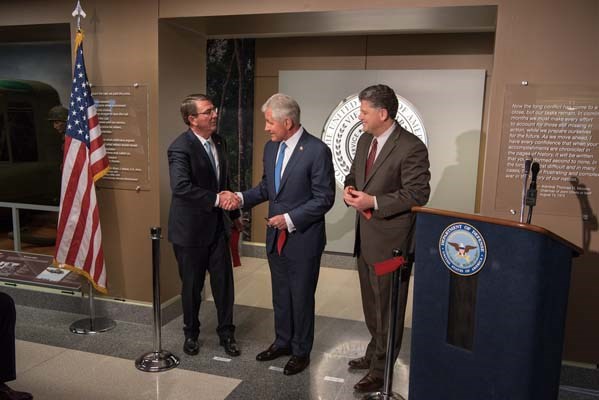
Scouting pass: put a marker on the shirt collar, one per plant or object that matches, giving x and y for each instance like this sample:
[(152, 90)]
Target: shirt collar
[(387, 133), (202, 140), (382, 139), (294, 139)]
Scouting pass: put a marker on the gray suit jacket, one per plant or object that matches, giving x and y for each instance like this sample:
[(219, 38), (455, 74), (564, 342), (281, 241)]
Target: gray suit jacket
[(400, 180)]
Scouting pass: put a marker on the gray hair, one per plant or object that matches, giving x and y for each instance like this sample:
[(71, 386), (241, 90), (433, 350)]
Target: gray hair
[(188, 105), (283, 106), (381, 96)]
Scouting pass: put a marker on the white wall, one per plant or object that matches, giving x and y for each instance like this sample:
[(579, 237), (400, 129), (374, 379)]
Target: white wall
[(450, 103)]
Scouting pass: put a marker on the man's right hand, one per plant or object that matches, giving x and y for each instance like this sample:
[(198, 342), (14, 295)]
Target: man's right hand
[(228, 201)]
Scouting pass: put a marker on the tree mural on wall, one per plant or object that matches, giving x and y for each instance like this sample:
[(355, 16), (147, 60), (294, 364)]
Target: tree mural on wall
[(230, 83)]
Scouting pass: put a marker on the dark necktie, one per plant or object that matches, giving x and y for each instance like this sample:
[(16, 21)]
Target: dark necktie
[(371, 157), (279, 166)]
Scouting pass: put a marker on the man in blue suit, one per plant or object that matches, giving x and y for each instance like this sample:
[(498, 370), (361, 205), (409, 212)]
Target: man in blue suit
[(299, 183)]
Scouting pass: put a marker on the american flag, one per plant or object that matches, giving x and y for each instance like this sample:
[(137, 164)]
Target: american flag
[(79, 239)]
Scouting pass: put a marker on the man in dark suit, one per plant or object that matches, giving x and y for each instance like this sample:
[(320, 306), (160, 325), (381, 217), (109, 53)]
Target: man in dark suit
[(299, 183), (389, 175), (7, 350), (198, 226)]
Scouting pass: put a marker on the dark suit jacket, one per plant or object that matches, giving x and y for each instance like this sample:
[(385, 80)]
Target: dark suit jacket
[(193, 219), (307, 192), (400, 180)]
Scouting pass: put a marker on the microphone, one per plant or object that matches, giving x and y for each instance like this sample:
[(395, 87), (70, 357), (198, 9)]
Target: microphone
[(531, 194), (527, 164)]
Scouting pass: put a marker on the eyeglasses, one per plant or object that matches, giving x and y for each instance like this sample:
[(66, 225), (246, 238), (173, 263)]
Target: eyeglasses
[(208, 112)]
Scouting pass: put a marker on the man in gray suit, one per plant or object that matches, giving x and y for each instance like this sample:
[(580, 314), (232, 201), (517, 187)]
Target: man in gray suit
[(389, 175)]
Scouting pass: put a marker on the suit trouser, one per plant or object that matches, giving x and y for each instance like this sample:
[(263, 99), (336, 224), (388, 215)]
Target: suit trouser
[(293, 288), (376, 293), (193, 264), (7, 338)]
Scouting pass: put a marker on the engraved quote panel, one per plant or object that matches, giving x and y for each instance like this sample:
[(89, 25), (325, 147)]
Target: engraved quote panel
[(558, 127), (123, 116)]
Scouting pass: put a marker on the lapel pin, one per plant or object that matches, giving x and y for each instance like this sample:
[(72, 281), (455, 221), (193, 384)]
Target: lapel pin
[(301, 148)]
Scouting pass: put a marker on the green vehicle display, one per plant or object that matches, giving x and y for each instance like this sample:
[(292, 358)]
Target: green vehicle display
[(30, 148)]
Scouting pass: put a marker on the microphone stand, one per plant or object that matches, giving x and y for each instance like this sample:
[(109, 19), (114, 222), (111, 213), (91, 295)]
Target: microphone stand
[(529, 214), (527, 163), (531, 194)]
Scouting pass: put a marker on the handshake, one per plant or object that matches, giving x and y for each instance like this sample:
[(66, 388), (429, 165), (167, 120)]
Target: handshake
[(229, 201)]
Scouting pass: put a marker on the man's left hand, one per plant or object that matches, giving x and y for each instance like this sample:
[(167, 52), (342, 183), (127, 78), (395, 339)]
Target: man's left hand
[(278, 221)]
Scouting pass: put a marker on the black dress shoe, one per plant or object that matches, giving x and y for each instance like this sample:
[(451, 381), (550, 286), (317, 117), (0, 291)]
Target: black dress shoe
[(368, 384), (230, 346), (296, 364), (273, 352), (359, 363), (191, 346)]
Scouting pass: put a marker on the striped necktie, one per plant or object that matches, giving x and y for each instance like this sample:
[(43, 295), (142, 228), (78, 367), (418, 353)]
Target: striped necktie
[(211, 157)]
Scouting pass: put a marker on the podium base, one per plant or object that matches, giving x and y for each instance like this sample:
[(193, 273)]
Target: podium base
[(156, 361), (383, 396), (88, 326)]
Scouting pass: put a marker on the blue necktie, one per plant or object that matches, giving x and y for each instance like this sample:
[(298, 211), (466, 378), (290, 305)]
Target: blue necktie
[(211, 157), (279, 166)]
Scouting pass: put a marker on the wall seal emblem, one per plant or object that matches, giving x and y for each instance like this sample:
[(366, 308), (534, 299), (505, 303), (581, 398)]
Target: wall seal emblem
[(342, 130)]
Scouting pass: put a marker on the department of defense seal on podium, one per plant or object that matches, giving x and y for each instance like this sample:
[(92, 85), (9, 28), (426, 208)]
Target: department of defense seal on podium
[(462, 249)]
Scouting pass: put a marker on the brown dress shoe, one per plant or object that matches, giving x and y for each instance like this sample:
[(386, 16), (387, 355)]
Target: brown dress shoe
[(273, 352), (369, 383), (359, 363)]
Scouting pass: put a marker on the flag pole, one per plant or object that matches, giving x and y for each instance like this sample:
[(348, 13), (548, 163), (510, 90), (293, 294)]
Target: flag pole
[(78, 12), (91, 325)]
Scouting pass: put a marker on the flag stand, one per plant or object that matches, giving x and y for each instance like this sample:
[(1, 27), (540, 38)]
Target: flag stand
[(387, 392), (158, 360), (87, 326)]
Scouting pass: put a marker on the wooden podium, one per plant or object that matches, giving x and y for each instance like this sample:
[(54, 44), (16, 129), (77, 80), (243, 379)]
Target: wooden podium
[(490, 300)]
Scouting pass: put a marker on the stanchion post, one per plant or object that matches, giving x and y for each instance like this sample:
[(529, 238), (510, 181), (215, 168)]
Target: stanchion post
[(155, 236), (387, 392), (92, 311), (157, 360)]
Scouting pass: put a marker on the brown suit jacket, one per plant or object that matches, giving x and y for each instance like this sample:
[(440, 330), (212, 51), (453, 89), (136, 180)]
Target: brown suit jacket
[(400, 180)]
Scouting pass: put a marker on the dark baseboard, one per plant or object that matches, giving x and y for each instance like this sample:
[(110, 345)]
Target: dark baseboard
[(77, 303)]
